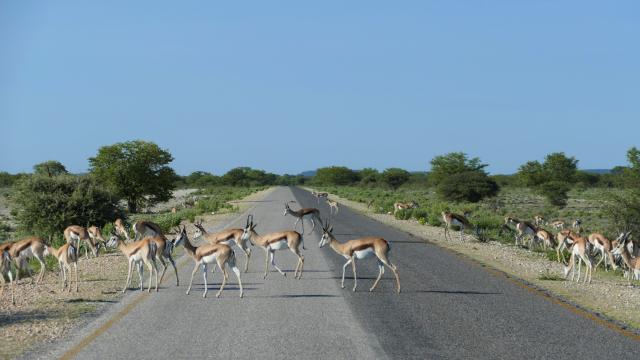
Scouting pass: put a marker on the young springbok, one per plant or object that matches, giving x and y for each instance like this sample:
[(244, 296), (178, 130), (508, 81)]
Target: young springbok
[(358, 249), (332, 205), (273, 242), (546, 238), (210, 254), (96, 236), (121, 229), (5, 268), (451, 219), (137, 253), (67, 255), (230, 237)]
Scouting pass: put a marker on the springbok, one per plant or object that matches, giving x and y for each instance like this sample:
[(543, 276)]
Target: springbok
[(311, 213), (272, 242), (228, 237), (137, 253), (633, 263), (96, 236), (143, 228), (23, 250), (319, 195), (522, 227), (539, 220), (67, 255), (74, 234), (546, 238), (577, 223), (404, 206), (5, 268), (121, 229), (358, 249), (604, 246), (580, 251), (332, 205), (210, 254), (564, 239), (451, 219), (558, 224)]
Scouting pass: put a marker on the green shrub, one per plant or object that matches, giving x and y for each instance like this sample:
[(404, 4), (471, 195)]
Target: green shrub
[(45, 206), (470, 186)]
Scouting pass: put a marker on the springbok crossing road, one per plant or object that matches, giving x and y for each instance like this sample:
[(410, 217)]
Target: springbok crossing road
[(449, 308)]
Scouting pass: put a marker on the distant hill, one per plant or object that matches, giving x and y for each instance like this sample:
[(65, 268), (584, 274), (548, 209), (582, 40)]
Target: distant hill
[(597, 171)]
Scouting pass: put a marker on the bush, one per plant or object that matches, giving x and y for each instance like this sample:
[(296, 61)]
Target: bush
[(394, 177), (335, 175), (470, 186), (555, 192), (404, 214), (45, 206)]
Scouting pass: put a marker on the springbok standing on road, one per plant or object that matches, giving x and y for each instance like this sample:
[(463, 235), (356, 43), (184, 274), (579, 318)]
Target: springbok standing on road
[(319, 195), (358, 249), (5, 268), (275, 241), (311, 213), (332, 205), (137, 253), (67, 255), (230, 237), (451, 219), (74, 234), (210, 254)]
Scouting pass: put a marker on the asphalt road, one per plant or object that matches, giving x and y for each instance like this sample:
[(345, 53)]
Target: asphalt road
[(449, 308)]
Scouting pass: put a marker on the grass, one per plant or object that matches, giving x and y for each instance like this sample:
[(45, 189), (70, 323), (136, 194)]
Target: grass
[(550, 277)]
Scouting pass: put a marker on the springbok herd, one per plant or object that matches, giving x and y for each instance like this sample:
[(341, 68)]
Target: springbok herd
[(622, 252), (150, 245)]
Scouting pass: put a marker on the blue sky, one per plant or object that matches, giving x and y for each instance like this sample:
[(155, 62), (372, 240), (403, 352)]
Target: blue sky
[(288, 86)]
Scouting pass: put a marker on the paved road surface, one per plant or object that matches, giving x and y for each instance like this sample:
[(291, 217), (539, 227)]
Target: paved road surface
[(449, 308)]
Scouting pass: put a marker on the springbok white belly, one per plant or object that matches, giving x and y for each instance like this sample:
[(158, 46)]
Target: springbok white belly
[(363, 254), (210, 258), (279, 245)]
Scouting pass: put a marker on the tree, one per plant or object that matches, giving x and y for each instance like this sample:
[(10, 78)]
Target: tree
[(137, 171), (395, 177), (471, 186), (246, 176), (531, 174), (50, 168), (559, 167), (556, 192), (443, 166), (46, 205), (336, 175), (369, 176)]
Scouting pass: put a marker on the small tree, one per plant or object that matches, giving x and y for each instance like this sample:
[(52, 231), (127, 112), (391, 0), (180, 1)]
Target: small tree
[(47, 205), (369, 176), (443, 166), (50, 168), (559, 167), (136, 171), (471, 186), (395, 177), (531, 174), (623, 211)]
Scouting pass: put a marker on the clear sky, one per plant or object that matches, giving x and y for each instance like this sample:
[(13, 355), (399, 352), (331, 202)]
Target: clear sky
[(288, 86)]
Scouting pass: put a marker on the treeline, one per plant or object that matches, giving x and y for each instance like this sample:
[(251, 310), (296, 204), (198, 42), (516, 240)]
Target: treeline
[(240, 176)]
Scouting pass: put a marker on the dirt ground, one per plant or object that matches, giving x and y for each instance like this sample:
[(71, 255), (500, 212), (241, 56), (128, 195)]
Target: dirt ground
[(608, 296), (44, 313)]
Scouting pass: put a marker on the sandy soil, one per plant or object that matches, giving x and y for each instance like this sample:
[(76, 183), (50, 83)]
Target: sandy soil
[(608, 296)]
